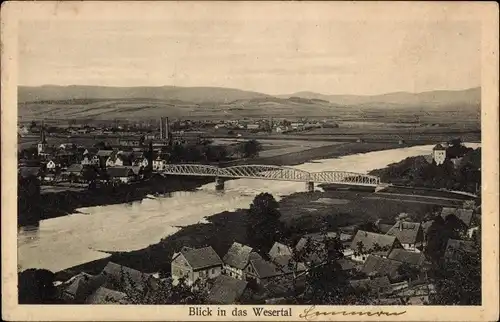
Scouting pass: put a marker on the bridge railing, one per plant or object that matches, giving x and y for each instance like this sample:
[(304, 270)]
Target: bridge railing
[(271, 172)]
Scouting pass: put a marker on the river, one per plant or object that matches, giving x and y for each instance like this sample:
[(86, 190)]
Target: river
[(75, 239)]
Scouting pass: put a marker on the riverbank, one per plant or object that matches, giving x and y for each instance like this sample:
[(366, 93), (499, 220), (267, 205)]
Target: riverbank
[(62, 203), (302, 213)]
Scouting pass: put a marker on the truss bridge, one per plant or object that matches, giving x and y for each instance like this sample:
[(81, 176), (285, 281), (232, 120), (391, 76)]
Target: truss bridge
[(270, 172)]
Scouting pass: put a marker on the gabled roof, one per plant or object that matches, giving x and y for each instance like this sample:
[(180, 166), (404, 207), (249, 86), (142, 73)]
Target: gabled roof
[(201, 258), (104, 153), (454, 245), (374, 284), (279, 249), (370, 239), (226, 290), (80, 286), (408, 257), (106, 296), (286, 264), (117, 172), (75, 168), (439, 147), (319, 237), (237, 255), (375, 265), (91, 151), (346, 264), (265, 269), (406, 232), (124, 276), (465, 215)]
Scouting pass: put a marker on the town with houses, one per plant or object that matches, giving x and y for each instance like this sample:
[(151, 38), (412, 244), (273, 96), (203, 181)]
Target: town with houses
[(374, 262), (387, 261)]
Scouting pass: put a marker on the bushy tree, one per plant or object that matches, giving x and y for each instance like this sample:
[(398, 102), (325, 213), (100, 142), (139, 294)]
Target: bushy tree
[(458, 282), (36, 286), (264, 225), (251, 149)]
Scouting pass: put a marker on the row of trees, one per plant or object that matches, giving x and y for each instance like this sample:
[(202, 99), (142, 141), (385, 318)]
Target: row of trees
[(213, 153)]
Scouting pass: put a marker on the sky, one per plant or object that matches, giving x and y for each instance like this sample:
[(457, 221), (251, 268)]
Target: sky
[(267, 54)]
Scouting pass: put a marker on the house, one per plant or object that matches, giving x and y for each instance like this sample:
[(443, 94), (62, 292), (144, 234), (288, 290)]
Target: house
[(439, 154), (408, 257), (464, 215), (377, 285), (279, 249), (74, 172), (260, 271), (123, 278), (409, 234), (104, 295), (119, 159), (379, 266), (194, 264), (67, 146), (454, 247), (102, 156), (79, 287), (111, 160), (158, 164), (237, 259), (347, 265), (315, 252), (140, 161), (365, 243), (89, 156), (226, 290), (51, 166), (121, 174)]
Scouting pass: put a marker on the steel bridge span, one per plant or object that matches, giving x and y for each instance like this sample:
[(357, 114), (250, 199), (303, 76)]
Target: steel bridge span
[(270, 172)]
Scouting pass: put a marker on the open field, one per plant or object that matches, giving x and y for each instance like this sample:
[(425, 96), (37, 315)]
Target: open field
[(355, 207)]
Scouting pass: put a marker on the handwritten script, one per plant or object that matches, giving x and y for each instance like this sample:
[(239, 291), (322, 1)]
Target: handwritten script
[(312, 313)]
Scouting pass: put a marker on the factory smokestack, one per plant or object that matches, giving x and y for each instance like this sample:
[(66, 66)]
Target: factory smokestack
[(161, 128), (166, 129)]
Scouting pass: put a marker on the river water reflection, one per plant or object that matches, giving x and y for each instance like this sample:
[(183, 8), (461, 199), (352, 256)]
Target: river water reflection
[(71, 240)]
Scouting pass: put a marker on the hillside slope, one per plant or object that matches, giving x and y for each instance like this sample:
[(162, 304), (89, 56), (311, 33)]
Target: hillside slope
[(187, 94), (469, 98)]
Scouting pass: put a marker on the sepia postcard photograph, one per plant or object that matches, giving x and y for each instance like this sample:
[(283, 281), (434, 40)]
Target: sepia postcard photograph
[(249, 161)]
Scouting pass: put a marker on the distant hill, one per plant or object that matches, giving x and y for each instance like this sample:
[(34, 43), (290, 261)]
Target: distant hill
[(186, 94), (460, 98), (98, 102)]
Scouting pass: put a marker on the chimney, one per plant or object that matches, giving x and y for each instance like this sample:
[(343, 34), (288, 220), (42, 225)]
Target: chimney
[(400, 225), (161, 127), (166, 129), (42, 133)]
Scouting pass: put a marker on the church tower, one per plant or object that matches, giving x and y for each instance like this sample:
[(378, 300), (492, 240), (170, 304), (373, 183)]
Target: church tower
[(42, 145)]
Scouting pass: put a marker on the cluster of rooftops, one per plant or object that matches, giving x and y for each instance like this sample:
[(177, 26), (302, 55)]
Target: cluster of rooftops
[(379, 256)]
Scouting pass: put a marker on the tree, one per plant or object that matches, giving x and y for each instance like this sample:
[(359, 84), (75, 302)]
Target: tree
[(36, 286), (264, 226), (327, 283), (165, 292), (251, 149), (458, 282)]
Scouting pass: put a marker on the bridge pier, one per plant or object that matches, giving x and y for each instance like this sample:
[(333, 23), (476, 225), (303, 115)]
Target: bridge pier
[(219, 184), (310, 186)]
